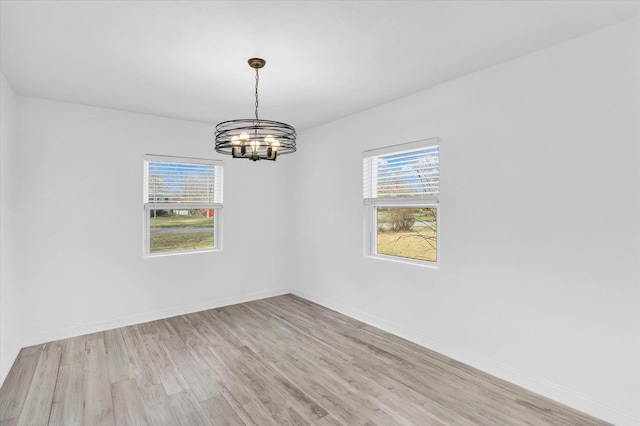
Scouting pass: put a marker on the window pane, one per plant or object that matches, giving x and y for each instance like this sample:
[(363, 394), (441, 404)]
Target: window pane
[(180, 230), (409, 173), (407, 232), (167, 182)]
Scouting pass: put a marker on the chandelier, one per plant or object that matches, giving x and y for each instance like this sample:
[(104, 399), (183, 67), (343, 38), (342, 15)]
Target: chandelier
[(254, 138)]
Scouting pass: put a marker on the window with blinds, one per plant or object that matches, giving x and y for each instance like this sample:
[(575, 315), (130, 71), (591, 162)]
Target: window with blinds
[(405, 173), (171, 182), (182, 203), (401, 188)]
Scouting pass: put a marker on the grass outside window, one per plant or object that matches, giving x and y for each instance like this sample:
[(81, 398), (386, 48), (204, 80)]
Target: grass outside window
[(181, 230), (407, 232)]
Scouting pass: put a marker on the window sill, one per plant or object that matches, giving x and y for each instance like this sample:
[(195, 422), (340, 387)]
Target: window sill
[(392, 259), (179, 253)]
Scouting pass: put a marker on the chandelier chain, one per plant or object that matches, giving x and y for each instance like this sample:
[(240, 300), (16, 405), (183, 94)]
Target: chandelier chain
[(257, 80)]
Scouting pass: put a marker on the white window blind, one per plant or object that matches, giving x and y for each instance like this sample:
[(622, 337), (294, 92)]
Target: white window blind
[(181, 182), (403, 171)]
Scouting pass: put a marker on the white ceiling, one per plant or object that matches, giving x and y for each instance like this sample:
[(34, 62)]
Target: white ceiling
[(325, 59)]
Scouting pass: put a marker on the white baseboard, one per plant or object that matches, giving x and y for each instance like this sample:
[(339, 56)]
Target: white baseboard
[(539, 386), (5, 371), (39, 338), (36, 339)]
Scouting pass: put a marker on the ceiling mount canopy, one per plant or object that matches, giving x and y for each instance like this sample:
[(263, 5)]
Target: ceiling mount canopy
[(254, 138)]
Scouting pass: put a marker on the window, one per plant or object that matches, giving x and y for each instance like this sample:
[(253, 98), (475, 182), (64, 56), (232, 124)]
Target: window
[(401, 189), (182, 205)]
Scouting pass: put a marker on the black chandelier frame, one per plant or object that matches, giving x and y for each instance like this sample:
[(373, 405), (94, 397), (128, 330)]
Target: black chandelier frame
[(266, 139), (254, 138)]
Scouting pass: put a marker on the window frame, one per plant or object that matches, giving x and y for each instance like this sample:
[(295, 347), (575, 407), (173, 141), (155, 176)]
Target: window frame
[(147, 207), (372, 205)]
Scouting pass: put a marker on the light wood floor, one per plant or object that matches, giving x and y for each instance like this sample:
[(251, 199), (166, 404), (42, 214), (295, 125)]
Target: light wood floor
[(278, 361)]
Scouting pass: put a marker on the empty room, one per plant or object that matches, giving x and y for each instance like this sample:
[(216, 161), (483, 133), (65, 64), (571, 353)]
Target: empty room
[(319, 213)]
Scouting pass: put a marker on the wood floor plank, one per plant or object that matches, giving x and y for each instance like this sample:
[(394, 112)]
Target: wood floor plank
[(188, 410), (259, 414), (68, 399), (98, 408), (223, 369), (158, 407), (16, 386), (237, 408), (37, 405), (118, 358), (9, 422), (128, 405), (73, 350), (169, 374), (144, 371), (337, 396), (276, 361), (197, 376), (347, 405), (339, 402), (220, 412)]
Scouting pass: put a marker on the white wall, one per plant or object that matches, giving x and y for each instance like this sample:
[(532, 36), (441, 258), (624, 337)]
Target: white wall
[(540, 223), (540, 230), (9, 338), (79, 255)]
